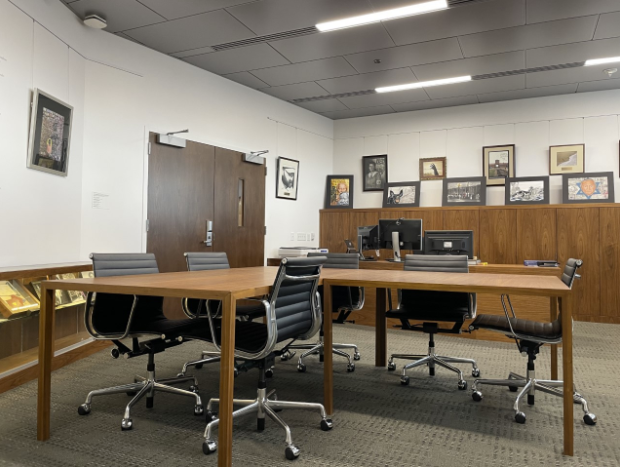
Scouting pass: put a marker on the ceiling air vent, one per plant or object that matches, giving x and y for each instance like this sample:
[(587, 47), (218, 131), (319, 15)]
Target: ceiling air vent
[(333, 96), (528, 70), (268, 38)]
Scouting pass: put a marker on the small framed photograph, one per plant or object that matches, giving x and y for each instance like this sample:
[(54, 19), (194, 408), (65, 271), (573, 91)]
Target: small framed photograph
[(567, 159), (433, 168), (588, 188), (339, 192), (498, 163), (287, 178), (50, 134), (375, 172), (401, 194), (527, 190), (470, 191), (15, 299)]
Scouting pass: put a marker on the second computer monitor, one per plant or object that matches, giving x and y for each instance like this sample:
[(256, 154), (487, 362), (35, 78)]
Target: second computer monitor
[(449, 242), (367, 238), (409, 233)]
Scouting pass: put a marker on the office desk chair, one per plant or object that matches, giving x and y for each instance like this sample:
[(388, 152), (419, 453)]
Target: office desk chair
[(293, 312), (529, 337), (116, 317), (432, 308), (345, 300), (208, 261)]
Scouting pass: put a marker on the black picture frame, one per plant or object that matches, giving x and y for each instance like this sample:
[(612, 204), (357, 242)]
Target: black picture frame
[(529, 193), (471, 191), (497, 171), (395, 192), (376, 178), (50, 134), (333, 197), (287, 179), (584, 195)]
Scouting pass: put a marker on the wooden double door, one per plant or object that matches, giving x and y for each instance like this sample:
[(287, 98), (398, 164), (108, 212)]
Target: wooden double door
[(199, 187)]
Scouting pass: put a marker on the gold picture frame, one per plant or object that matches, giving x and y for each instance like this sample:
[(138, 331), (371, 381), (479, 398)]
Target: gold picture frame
[(498, 164), (15, 299), (567, 159), (433, 168)]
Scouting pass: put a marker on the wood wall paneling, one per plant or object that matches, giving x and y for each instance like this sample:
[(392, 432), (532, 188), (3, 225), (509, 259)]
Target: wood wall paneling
[(333, 226), (10, 338), (610, 262), (464, 219), (498, 229), (536, 235)]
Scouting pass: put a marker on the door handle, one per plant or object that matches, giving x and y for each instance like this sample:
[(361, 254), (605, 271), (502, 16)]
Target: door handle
[(209, 234)]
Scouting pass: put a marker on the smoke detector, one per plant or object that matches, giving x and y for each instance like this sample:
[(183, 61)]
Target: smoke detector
[(95, 21), (610, 71)]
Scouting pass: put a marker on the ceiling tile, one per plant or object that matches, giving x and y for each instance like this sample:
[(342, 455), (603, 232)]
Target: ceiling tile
[(471, 66), (331, 44), (327, 105), (120, 14), (241, 59), (388, 98), (507, 83), (296, 91), (368, 81), (180, 8), (367, 112), (570, 53), (466, 19), (547, 10), (271, 16), (192, 52), (525, 93), (530, 36), (567, 76), (599, 85), (191, 33), (406, 55), (247, 79), (435, 104), (608, 25), (306, 71)]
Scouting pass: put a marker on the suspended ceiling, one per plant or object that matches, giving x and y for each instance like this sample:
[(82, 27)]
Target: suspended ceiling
[(335, 73)]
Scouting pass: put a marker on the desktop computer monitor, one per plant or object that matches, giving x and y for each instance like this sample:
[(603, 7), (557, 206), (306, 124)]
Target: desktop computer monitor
[(449, 242), (367, 239), (409, 232)]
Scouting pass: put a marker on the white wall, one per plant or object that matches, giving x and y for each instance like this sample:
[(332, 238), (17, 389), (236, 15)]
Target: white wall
[(121, 91), (459, 133)]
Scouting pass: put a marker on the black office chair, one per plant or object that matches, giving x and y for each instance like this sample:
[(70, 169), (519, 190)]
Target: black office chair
[(530, 336), (207, 261), (116, 317), (432, 308), (345, 300), (293, 312)]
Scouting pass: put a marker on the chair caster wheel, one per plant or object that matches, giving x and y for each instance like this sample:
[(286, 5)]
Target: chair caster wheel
[(301, 368), (291, 452), (391, 366), (462, 385), (350, 367), (199, 410), (475, 373), (126, 424), (193, 388), (210, 416), (269, 373), (513, 388), (84, 409), (287, 355), (356, 356), (115, 353), (520, 417), (477, 396), (404, 380), (327, 424), (589, 419), (209, 447), (198, 366)]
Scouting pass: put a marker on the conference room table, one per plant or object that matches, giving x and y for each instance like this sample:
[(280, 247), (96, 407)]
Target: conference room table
[(230, 285)]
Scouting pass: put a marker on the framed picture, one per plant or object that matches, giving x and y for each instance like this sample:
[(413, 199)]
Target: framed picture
[(375, 172), (339, 192), (567, 159), (527, 190), (401, 194), (498, 163), (50, 134), (15, 299), (433, 168), (471, 191), (588, 188), (287, 178)]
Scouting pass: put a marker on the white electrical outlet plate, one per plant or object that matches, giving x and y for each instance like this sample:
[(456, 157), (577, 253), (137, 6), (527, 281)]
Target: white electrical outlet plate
[(308, 237), (301, 237)]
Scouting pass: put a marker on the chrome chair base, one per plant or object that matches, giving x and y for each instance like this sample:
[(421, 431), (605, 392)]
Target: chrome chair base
[(262, 406), (319, 348), (206, 357), (529, 386)]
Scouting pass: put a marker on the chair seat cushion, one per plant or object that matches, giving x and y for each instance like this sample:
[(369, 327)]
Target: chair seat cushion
[(453, 315), (251, 311), (523, 327)]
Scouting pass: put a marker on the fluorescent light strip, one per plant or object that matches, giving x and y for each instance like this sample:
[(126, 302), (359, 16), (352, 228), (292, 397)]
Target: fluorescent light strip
[(410, 10), (424, 84), (601, 61)]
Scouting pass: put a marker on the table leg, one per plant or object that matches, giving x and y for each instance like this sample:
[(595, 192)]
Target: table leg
[(566, 305), (328, 340), (553, 315), (46, 354), (380, 329), (227, 381)]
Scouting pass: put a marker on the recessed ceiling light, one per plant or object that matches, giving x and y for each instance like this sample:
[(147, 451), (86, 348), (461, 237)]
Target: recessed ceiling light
[(601, 61), (95, 21), (424, 84), (402, 12)]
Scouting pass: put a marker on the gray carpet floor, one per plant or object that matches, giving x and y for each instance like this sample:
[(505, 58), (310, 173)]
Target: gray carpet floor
[(378, 422)]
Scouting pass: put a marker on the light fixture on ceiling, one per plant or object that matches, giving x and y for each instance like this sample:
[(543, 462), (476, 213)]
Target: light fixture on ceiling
[(424, 84), (610, 71), (402, 12), (95, 21), (601, 61)]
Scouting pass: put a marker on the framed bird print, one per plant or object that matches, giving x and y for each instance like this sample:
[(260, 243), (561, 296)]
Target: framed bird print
[(433, 168), (287, 178)]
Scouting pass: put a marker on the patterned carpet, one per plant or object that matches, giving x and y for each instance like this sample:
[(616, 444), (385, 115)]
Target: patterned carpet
[(378, 422)]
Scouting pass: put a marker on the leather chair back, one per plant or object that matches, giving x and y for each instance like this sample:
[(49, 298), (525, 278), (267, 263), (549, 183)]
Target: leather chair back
[(351, 298), (206, 261)]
